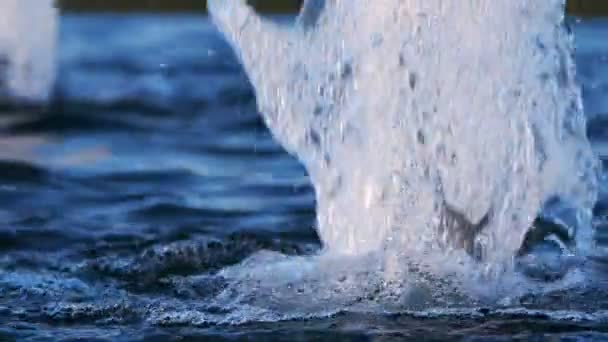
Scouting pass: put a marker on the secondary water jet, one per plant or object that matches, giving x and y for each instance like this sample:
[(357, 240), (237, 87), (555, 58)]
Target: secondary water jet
[(27, 51)]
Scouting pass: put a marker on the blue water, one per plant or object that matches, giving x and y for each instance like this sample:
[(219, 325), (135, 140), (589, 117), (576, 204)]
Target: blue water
[(152, 170)]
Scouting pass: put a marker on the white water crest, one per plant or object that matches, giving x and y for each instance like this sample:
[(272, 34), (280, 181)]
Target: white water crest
[(433, 131), (27, 50)]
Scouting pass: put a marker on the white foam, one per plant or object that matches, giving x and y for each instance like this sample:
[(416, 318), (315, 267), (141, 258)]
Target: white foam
[(27, 50), (397, 107)]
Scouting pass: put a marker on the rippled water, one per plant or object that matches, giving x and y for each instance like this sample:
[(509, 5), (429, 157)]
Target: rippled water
[(127, 203)]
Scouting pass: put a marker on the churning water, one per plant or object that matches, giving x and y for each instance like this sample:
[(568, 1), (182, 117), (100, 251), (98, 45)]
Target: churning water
[(434, 132), (150, 201)]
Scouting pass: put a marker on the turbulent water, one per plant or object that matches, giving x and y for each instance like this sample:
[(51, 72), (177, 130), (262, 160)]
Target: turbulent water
[(427, 127), (27, 60), (150, 201)]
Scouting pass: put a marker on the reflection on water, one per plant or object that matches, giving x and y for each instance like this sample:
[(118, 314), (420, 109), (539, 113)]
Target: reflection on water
[(30, 147)]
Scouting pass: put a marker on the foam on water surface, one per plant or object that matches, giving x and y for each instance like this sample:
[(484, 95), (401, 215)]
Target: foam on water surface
[(27, 50)]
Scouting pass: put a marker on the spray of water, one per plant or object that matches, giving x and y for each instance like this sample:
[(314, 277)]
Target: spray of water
[(27, 56), (434, 131)]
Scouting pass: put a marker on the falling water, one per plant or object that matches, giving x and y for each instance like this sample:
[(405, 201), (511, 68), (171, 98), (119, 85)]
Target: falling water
[(27, 44), (429, 128)]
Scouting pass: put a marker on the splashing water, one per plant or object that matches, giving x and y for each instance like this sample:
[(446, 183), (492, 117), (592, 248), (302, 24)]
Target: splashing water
[(434, 132), (27, 44)]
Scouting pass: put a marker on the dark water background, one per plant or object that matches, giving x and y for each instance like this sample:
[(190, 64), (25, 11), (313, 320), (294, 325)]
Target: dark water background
[(153, 169)]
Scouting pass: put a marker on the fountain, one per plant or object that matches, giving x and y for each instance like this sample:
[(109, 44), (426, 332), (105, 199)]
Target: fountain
[(27, 51), (427, 127)]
